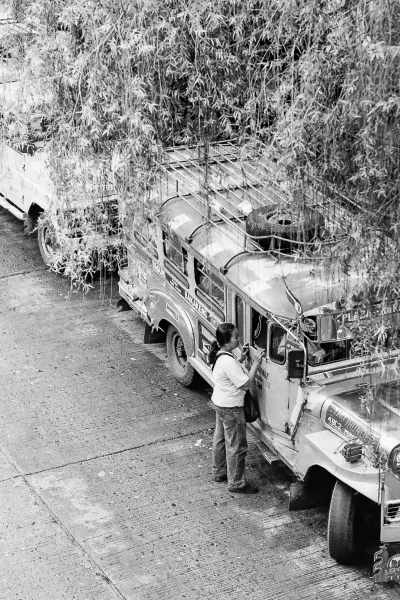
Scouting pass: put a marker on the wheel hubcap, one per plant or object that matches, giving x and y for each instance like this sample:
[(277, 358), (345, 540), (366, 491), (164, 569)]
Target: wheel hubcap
[(48, 241), (283, 219), (180, 353)]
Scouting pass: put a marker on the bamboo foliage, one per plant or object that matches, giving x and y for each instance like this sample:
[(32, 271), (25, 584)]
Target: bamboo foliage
[(313, 84)]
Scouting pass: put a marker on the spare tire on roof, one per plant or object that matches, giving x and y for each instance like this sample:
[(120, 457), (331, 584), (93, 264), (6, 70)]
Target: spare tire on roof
[(283, 222)]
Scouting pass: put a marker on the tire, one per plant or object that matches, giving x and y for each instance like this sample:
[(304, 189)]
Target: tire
[(181, 368), (342, 526), (47, 243), (281, 222)]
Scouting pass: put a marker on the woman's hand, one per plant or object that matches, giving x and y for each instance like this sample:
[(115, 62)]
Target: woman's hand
[(245, 353), (259, 355)]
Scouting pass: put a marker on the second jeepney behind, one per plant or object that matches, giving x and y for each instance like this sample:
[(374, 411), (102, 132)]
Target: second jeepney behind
[(195, 259)]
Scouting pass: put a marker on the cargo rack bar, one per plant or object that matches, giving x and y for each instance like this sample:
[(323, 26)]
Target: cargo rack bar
[(229, 162)]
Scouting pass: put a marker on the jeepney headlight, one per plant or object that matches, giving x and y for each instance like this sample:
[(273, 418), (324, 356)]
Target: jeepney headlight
[(394, 461)]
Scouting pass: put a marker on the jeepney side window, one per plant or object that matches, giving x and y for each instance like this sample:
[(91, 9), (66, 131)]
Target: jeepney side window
[(145, 233), (259, 330), (175, 252), (277, 344), (239, 317), (209, 283)]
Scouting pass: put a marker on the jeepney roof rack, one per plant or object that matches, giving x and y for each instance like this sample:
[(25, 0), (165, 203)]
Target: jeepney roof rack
[(257, 177), (229, 185)]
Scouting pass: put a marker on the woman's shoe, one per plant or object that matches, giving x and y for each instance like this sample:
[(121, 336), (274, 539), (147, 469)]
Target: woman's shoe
[(220, 478), (246, 489)]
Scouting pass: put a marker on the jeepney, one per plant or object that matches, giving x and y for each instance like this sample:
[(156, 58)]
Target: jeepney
[(26, 187), (331, 415)]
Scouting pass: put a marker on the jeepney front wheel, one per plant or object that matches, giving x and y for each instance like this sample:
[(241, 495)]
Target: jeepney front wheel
[(47, 243), (180, 366), (343, 524)]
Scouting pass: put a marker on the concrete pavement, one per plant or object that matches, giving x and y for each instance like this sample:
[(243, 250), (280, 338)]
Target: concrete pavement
[(105, 466)]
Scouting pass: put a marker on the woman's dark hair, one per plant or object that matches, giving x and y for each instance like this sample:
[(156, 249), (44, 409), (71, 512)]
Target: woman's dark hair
[(223, 335)]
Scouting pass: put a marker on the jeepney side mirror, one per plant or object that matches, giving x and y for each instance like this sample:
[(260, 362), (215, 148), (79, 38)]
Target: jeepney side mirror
[(296, 364)]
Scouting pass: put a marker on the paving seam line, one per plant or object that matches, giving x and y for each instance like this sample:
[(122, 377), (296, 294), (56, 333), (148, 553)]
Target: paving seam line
[(67, 533), (85, 460), (9, 478), (24, 272)]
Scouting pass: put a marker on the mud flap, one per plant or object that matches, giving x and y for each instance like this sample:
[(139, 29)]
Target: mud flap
[(153, 335), (300, 496), (123, 305), (307, 494)]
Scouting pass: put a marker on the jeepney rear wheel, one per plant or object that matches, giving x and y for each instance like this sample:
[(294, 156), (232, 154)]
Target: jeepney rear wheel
[(180, 366), (343, 524)]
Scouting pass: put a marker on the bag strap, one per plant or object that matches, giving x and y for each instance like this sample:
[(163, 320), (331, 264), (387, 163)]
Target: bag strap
[(221, 354)]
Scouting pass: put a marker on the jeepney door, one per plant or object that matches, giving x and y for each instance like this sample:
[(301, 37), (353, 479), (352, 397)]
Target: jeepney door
[(272, 386)]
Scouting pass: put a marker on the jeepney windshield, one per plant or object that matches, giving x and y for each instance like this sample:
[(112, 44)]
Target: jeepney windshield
[(334, 336), (322, 340)]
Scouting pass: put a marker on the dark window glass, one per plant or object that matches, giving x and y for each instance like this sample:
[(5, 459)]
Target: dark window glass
[(175, 252), (277, 345), (324, 353), (259, 329), (209, 283), (239, 317)]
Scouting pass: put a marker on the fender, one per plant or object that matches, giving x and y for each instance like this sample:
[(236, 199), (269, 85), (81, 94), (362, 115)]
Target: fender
[(162, 307), (322, 449)]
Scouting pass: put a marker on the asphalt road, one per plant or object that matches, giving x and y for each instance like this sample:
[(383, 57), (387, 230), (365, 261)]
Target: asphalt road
[(106, 485)]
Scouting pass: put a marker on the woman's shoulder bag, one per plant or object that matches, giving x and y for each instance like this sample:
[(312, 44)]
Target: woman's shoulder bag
[(251, 408)]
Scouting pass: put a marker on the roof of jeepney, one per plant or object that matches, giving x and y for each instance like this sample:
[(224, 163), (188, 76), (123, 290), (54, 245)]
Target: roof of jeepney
[(184, 214), (262, 278), (9, 27), (32, 94), (260, 275), (218, 243), (212, 217)]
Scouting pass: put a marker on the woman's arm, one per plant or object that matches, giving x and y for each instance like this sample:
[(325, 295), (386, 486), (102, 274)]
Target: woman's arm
[(253, 370)]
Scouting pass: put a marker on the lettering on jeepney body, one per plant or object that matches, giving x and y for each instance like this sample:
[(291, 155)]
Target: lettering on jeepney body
[(197, 306), (348, 427), (194, 303), (262, 379), (172, 312), (206, 337)]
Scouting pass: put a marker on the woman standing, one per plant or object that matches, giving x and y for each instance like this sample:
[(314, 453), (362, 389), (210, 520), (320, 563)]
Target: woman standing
[(231, 383)]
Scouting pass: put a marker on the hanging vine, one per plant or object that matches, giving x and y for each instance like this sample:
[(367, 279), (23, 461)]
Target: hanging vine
[(312, 84)]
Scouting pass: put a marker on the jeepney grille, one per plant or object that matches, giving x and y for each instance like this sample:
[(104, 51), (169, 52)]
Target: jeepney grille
[(392, 511)]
